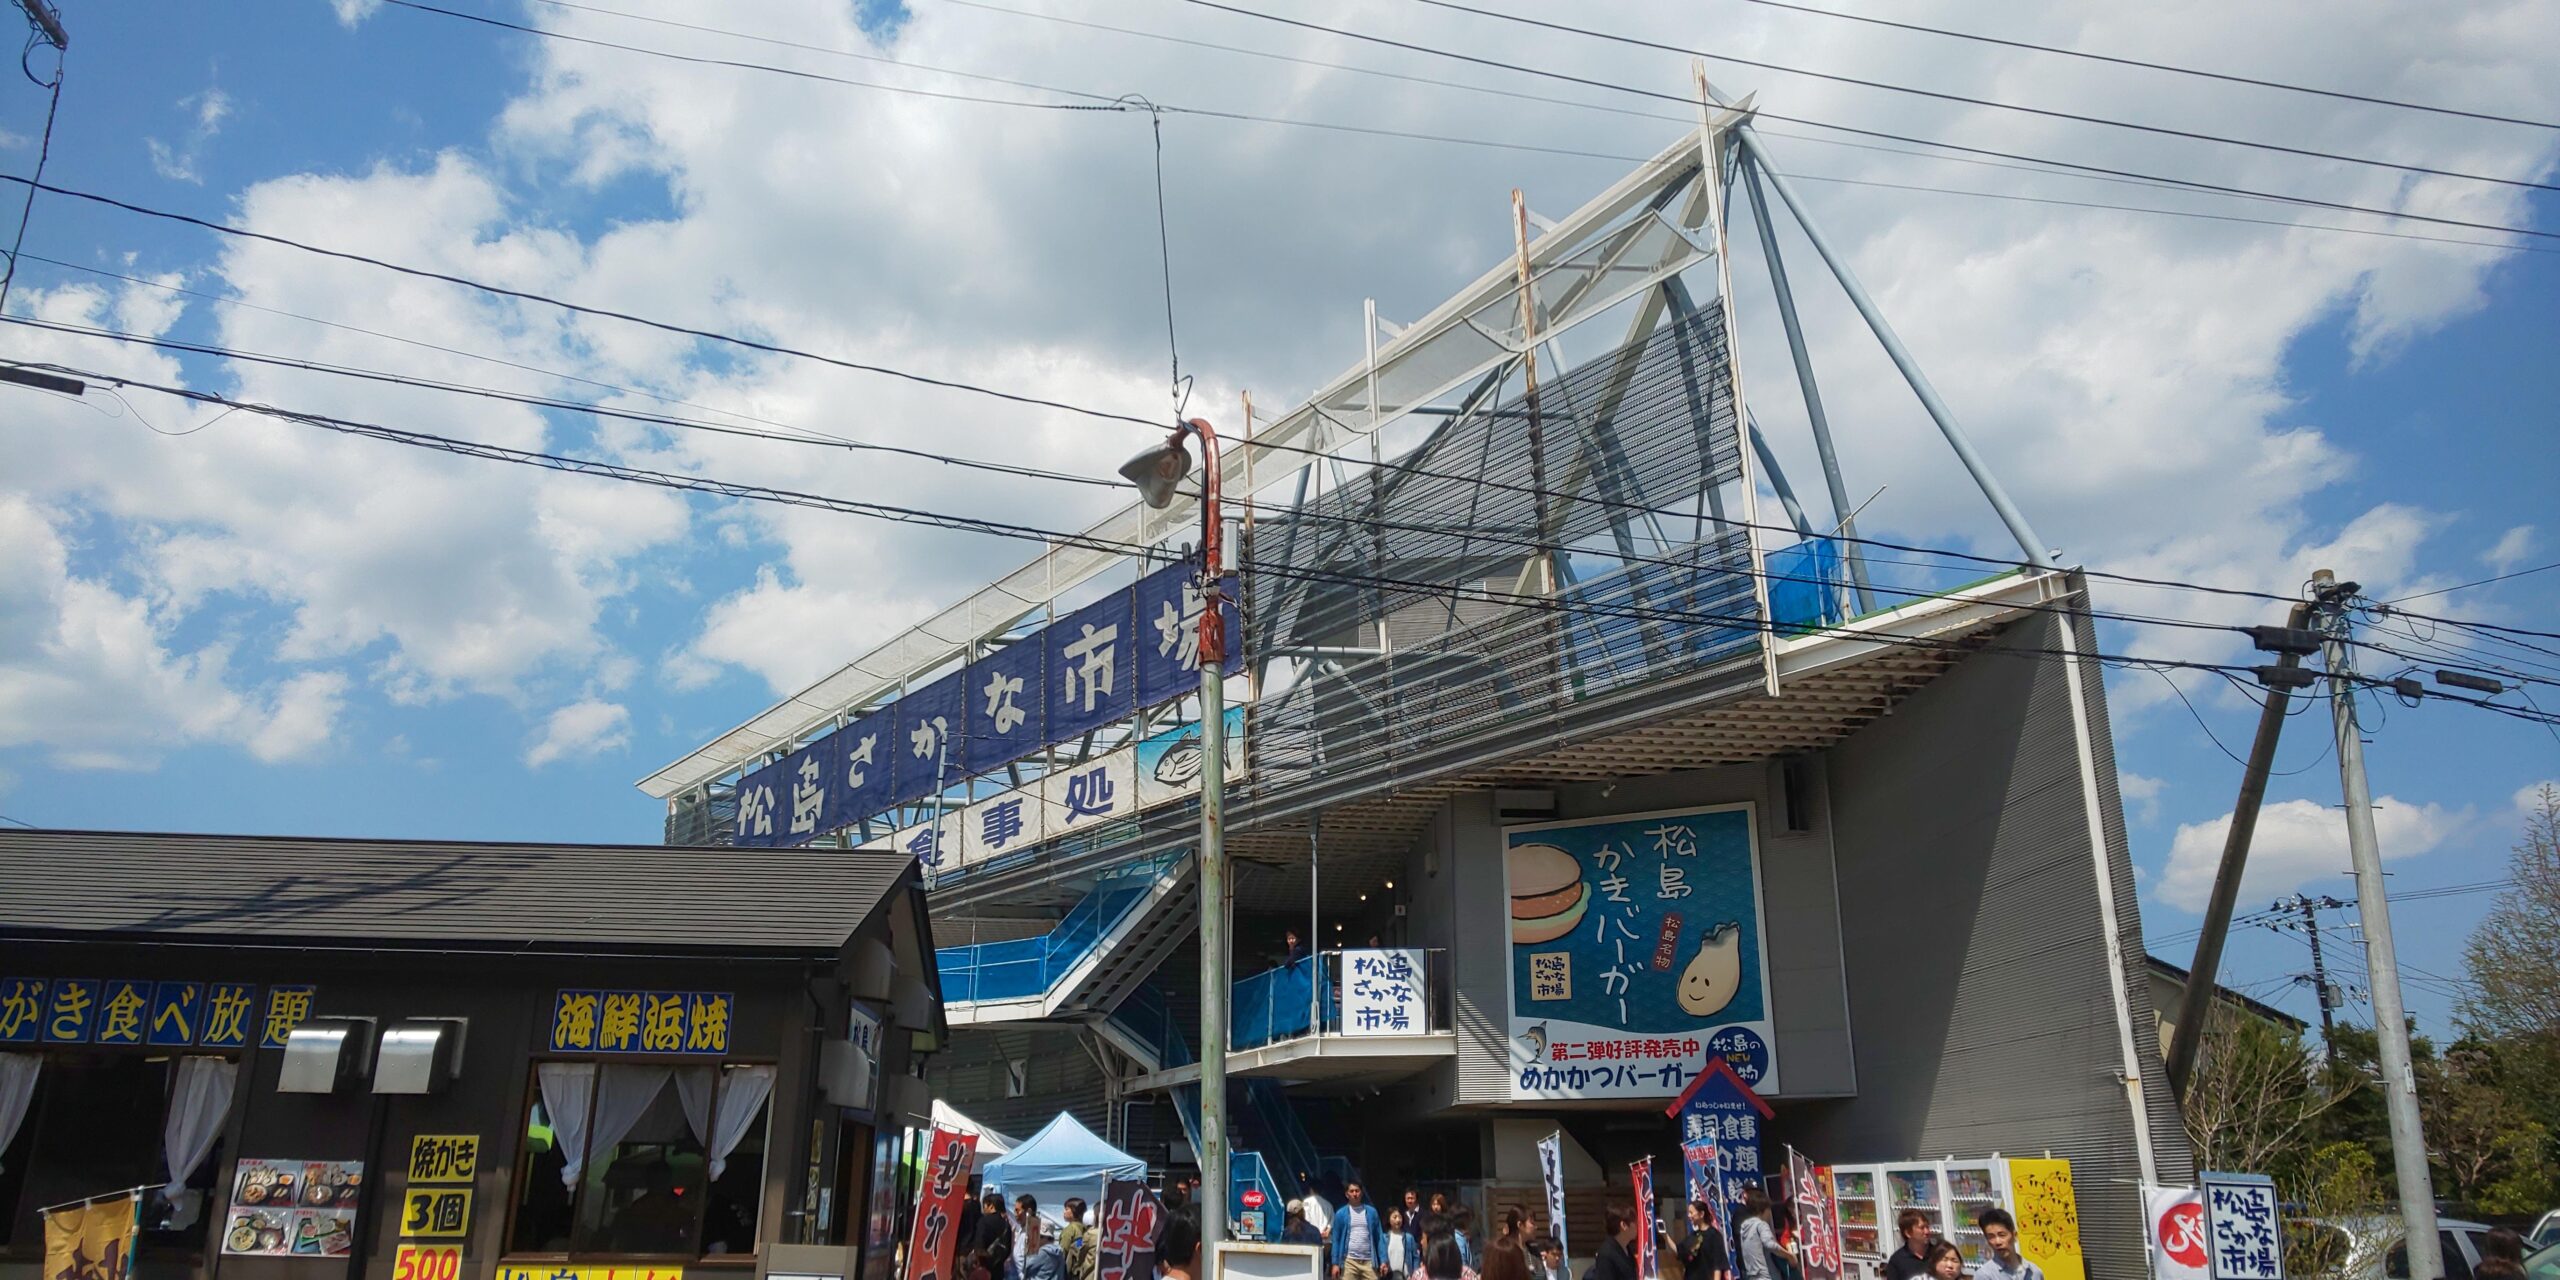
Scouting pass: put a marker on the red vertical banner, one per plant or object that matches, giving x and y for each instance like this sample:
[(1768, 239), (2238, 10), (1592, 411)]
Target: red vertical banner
[(946, 1184), (1647, 1265), (1131, 1217), (1817, 1224)]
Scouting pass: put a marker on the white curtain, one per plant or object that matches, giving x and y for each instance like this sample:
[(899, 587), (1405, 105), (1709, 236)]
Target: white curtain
[(199, 1102), (567, 1088), (623, 1095), (742, 1094), (693, 1090), (17, 1089)]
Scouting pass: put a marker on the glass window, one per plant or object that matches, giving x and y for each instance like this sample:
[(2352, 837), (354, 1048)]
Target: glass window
[(646, 1186), (2457, 1266)]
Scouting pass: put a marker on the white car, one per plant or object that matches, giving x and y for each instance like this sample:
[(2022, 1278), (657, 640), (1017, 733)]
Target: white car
[(2369, 1247), (2545, 1233)]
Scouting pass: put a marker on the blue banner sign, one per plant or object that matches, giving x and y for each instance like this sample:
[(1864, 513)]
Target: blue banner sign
[(209, 1015), (1137, 647)]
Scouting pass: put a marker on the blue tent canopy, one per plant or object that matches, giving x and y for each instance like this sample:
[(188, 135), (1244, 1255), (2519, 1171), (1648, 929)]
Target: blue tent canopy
[(1063, 1159)]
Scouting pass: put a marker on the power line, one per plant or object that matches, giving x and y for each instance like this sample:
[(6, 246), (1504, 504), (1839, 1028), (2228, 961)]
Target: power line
[(2173, 213), (1041, 402), (44, 152), (1968, 100), (938, 519), (2163, 66), (810, 436), (2540, 568), (2308, 201), (524, 295)]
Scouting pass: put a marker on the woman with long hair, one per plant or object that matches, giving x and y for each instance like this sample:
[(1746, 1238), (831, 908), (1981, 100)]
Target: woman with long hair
[(1702, 1255), (1441, 1262)]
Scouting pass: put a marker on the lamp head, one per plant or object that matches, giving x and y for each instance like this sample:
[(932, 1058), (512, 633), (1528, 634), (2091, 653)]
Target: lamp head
[(1158, 470)]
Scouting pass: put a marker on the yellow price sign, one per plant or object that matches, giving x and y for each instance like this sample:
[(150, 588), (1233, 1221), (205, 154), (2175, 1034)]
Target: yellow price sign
[(444, 1157), (436, 1212), (427, 1262)]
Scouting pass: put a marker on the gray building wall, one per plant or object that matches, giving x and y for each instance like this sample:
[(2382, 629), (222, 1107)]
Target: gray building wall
[(1059, 1074), (1978, 971)]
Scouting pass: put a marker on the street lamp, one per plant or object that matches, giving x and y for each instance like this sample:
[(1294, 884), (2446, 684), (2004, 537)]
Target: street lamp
[(1156, 472)]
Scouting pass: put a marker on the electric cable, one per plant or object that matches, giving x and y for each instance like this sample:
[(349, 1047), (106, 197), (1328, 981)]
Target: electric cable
[(2171, 68), (44, 152), (810, 436), (2197, 184), (2540, 568), (1993, 103), (948, 520)]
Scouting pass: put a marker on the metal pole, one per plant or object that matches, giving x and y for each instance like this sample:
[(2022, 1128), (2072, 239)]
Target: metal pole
[(1831, 479), (2320, 979), (1778, 481), (1213, 869), (2038, 551), (1315, 1011), (2390, 1020), (1715, 146), (2195, 1004)]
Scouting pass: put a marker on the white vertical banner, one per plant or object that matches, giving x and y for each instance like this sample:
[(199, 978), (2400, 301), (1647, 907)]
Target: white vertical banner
[(1382, 993), (1551, 1168), (2173, 1222), (2243, 1239)]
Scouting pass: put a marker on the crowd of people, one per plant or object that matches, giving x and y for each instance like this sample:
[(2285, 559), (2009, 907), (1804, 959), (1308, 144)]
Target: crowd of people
[(1421, 1238)]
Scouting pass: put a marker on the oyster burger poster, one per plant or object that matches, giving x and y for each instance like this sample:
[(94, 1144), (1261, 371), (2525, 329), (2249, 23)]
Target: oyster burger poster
[(1636, 954)]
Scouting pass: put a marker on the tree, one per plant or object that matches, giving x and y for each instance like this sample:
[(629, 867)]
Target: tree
[(2483, 1139), (2256, 1099), (2513, 1006), (2514, 954)]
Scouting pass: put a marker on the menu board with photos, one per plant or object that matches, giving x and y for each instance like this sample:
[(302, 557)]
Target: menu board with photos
[(293, 1208)]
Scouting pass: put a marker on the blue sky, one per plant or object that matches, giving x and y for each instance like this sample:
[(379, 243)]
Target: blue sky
[(249, 629)]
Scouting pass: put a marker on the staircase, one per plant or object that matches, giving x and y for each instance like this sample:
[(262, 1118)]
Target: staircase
[(1099, 952)]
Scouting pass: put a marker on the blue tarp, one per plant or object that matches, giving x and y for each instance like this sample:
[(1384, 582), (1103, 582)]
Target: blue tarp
[(1804, 585)]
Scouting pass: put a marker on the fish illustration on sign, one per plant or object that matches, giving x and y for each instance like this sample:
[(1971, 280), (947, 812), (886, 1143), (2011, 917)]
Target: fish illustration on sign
[(1715, 973), (1536, 1037)]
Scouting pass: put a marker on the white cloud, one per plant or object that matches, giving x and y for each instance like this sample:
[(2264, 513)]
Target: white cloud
[(2510, 551), (212, 107), (351, 12), (2528, 798), (2126, 375), (90, 675), (205, 113), (171, 163), (2296, 842), (581, 729), (2143, 792)]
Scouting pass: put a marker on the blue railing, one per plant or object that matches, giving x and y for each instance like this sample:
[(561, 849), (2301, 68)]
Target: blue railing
[(1247, 1172), (1279, 1134), (1148, 1020), (1028, 966), (1275, 1004)]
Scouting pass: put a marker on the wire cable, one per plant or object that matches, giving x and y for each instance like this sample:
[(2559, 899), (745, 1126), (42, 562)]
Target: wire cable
[(1993, 103), (2163, 66), (44, 152), (2540, 568), (2308, 201)]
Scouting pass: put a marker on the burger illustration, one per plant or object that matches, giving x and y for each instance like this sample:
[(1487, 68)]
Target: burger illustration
[(1548, 895)]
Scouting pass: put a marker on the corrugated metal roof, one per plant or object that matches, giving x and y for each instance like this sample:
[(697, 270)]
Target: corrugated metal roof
[(466, 895)]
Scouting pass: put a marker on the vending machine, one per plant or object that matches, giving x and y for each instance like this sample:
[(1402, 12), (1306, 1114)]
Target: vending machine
[(1871, 1197)]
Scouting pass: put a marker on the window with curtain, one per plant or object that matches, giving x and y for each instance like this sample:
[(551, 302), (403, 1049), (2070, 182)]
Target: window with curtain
[(643, 1160), (101, 1120)]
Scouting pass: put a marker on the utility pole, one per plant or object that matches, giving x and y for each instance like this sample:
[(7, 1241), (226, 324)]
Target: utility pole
[(2290, 642), (2308, 906), (2390, 1022), (47, 22)]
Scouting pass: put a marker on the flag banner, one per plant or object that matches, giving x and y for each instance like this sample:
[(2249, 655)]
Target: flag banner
[(92, 1241), (937, 1231), (2173, 1219), (1647, 1265), (2048, 1217), (1551, 1168), (1131, 1216), (2240, 1223), (1817, 1229)]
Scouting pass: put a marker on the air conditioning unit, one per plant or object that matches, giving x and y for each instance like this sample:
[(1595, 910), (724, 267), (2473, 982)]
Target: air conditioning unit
[(419, 1055), (326, 1055)]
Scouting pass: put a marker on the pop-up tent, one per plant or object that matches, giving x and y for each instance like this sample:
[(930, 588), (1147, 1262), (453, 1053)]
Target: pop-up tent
[(1063, 1159), (991, 1144)]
